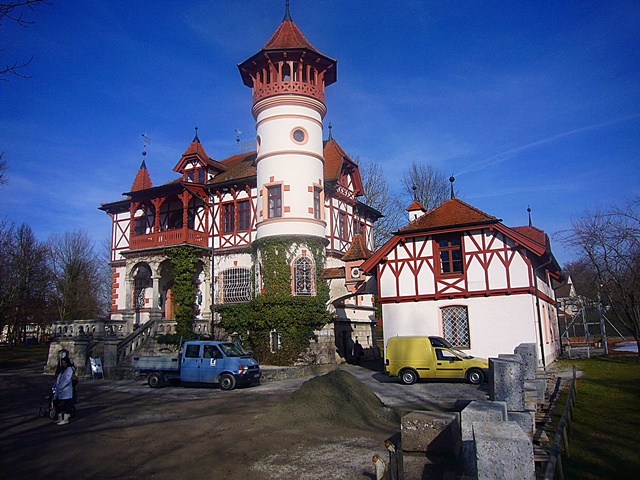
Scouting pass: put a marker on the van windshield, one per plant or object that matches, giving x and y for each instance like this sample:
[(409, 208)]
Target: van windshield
[(441, 342), (232, 350), (459, 353)]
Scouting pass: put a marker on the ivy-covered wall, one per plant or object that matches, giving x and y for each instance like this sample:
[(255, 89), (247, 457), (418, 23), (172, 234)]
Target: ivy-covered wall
[(295, 318), (183, 261)]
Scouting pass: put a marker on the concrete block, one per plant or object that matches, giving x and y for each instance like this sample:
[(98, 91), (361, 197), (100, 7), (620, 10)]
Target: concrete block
[(433, 432), (503, 451), (526, 420), (529, 354), (506, 383), (476, 411), (536, 389)]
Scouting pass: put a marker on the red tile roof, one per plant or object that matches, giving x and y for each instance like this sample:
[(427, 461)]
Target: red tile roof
[(357, 251), (450, 213), (336, 272), (416, 205), (242, 165), (533, 233), (237, 166), (142, 180), (288, 37)]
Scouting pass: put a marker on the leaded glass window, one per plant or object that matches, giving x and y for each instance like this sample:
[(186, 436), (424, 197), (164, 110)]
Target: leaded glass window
[(455, 326), (303, 277)]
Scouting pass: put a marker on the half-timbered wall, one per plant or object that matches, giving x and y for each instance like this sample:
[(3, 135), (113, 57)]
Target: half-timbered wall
[(496, 285)]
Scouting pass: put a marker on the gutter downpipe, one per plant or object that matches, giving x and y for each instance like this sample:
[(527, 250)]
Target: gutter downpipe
[(540, 331)]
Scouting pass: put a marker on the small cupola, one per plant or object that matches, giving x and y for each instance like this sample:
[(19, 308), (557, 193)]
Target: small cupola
[(416, 210)]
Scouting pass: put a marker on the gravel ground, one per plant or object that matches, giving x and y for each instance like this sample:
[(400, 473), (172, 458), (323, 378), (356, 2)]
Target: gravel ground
[(326, 428)]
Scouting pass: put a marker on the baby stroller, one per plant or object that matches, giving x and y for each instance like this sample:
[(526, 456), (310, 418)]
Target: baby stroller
[(52, 404)]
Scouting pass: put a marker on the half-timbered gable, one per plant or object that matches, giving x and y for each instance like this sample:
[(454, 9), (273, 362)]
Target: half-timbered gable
[(457, 269)]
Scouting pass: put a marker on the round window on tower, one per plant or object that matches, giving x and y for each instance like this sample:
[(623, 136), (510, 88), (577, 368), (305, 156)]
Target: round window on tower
[(258, 143), (299, 135)]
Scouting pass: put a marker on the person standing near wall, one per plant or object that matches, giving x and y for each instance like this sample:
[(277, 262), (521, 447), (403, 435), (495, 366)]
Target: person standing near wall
[(64, 391)]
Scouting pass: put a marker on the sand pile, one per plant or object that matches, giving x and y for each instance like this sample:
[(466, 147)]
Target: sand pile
[(336, 399)]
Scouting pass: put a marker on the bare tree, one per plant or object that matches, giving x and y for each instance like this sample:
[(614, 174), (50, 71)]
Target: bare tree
[(379, 196), (3, 170), (422, 182), (25, 283), (13, 11), (610, 242), (77, 276)]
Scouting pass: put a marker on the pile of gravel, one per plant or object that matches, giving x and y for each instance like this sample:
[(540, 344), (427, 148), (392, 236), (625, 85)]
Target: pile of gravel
[(336, 399)]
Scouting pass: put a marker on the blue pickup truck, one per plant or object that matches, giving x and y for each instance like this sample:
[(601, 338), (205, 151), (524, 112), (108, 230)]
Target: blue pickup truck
[(202, 362)]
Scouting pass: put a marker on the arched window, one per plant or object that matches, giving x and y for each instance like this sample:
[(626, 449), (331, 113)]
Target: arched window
[(236, 285), (303, 277), (455, 326)]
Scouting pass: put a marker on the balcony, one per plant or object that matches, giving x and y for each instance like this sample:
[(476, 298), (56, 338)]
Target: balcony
[(170, 237)]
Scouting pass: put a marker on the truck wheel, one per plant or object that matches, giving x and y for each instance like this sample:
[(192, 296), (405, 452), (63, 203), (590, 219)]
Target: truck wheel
[(475, 376), (227, 381), (154, 379), (408, 377)]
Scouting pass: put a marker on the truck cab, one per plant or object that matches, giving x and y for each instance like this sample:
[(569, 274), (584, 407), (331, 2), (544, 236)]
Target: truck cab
[(412, 358)]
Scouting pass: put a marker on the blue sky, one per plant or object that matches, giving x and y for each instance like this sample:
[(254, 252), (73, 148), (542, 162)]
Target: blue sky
[(525, 102)]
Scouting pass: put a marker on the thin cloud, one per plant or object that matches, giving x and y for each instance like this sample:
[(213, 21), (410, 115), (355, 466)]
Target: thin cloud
[(508, 154)]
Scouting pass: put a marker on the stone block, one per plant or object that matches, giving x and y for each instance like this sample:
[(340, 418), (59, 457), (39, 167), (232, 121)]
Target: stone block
[(506, 383), (434, 432), (503, 451), (526, 420), (485, 411), (529, 354), (536, 389)]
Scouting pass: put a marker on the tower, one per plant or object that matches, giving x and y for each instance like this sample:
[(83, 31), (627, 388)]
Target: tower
[(288, 79)]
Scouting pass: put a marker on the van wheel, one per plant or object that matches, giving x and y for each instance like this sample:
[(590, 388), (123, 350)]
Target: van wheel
[(475, 376), (408, 377), (154, 380), (227, 381)]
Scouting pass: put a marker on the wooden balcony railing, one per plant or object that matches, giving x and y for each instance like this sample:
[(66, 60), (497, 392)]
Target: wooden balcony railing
[(170, 237)]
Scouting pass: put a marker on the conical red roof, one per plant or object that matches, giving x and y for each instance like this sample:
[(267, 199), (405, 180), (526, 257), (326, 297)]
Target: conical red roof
[(142, 180), (288, 36)]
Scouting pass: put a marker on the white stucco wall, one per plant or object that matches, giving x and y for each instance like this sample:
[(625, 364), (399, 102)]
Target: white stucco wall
[(497, 324)]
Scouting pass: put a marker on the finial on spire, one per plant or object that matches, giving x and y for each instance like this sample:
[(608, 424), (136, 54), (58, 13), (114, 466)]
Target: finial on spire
[(287, 15), (529, 211), (196, 139), (452, 179), (330, 127), (238, 133), (415, 193), (146, 141)]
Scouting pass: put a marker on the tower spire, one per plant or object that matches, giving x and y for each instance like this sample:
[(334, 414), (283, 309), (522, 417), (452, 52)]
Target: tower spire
[(287, 15), (529, 211), (452, 179)]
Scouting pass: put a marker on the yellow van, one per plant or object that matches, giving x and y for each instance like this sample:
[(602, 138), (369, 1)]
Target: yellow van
[(411, 358)]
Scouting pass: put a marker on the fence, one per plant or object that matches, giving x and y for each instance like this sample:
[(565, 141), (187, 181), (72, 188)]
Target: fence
[(561, 439)]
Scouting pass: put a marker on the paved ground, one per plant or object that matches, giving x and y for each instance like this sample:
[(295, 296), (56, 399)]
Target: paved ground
[(124, 429)]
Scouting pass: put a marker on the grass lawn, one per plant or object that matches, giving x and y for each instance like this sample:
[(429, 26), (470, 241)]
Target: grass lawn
[(605, 433), (19, 356)]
